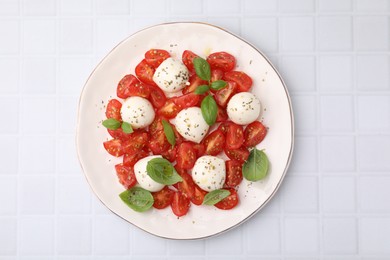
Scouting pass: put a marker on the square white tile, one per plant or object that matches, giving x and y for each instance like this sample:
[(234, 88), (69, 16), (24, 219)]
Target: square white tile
[(9, 7), (340, 236), (143, 7), (300, 194), (73, 74), (11, 105), (373, 105), (374, 193), (335, 73), (297, 33), (188, 7), (8, 195), (266, 36), (9, 157), (8, 238), (305, 113), (372, 5), (222, 7), (373, 153), (9, 44), (39, 7), (67, 111), (301, 235), (372, 72), (266, 230), (177, 248), (335, 5), (374, 235), (39, 36), (73, 195), (297, 6), (338, 194), (260, 6), (371, 33), (334, 33), (338, 154), (74, 235), (231, 23), (109, 32), (106, 7), (32, 150), (337, 113), (67, 157), (39, 76), (294, 67), (305, 155), (75, 7), (34, 110), (9, 75), (217, 246), (76, 36), (147, 245)]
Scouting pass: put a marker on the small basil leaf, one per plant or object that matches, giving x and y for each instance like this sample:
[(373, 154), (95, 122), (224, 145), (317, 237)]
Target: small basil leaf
[(169, 133), (126, 127), (256, 167), (201, 89), (162, 171), (209, 110), (215, 196), (202, 68), (137, 198), (218, 84), (111, 123)]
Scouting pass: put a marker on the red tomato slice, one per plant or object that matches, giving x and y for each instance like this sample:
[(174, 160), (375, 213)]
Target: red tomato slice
[(169, 110), (154, 57), (157, 96), (179, 138), (145, 72), (125, 175), (188, 59), (254, 133), (114, 147), (131, 159), (221, 115), (229, 202), (187, 186), (170, 154), (223, 96), (195, 82), (241, 154), (137, 142), (113, 109), (186, 156), (156, 125), (233, 173), (224, 126), (158, 143), (221, 60), (199, 194), (214, 142), (234, 136), (244, 82), (163, 198), (216, 74), (187, 100), (139, 89), (119, 134), (180, 204), (123, 89), (199, 149)]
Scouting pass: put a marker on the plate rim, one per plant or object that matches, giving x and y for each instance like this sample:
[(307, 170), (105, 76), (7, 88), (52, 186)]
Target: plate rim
[(291, 122)]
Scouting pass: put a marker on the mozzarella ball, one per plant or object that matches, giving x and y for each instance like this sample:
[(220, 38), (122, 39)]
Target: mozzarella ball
[(142, 176), (209, 173), (171, 76), (191, 125), (243, 108), (137, 111)]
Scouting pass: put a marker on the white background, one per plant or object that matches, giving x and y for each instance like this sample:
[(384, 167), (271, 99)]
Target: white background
[(334, 57)]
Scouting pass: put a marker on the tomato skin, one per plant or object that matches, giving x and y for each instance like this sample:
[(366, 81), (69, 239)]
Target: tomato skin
[(254, 133), (119, 134), (123, 88), (156, 125), (145, 72), (157, 96), (241, 154), (131, 159), (187, 186), (216, 74), (221, 60), (158, 143), (180, 204), (125, 175), (114, 147), (233, 173), (163, 198), (137, 142), (244, 82), (187, 100), (199, 149), (229, 202), (186, 156), (139, 89), (169, 110), (113, 109), (224, 126), (221, 115), (234, 136), (214, 142), (223, 96), (154, 57), (199, 194), (188, 59), (170, 154), (195, 82)]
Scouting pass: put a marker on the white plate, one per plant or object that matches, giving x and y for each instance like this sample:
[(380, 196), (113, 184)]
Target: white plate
[(200, 38)]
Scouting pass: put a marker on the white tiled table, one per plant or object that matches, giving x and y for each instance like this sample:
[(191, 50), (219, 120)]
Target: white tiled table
[(334, 56)]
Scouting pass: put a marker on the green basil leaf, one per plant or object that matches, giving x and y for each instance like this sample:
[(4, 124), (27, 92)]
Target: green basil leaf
[(218, 84), (138, 199), (215, 196), (202, 68), (111, 123), (169, 133), (126, 127), (201, 89), (162, 171), (256, 167), (209, 110)]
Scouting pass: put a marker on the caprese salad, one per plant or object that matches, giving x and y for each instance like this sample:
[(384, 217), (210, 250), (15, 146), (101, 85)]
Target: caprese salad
[(175, 121)]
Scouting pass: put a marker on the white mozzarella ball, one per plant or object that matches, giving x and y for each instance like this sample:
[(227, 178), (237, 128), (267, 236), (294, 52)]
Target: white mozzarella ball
[(243, 108), (209, 173), (191, 125), (142, 176), (137, 111), (171, 76)]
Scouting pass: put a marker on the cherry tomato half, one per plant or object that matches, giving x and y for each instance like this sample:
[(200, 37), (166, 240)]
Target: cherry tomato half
[(233, 173), (154, 57), (244, 82), (113, 109), (229, 202), (186, 156), (241, 154), (114, 147), (234, 136), (125, 175), (254, 133), (223, 96), (169, 110), (180, 204), (214, 142), (188, 59), (123, 88), (163, 198), (222, 60), (145, 72)]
